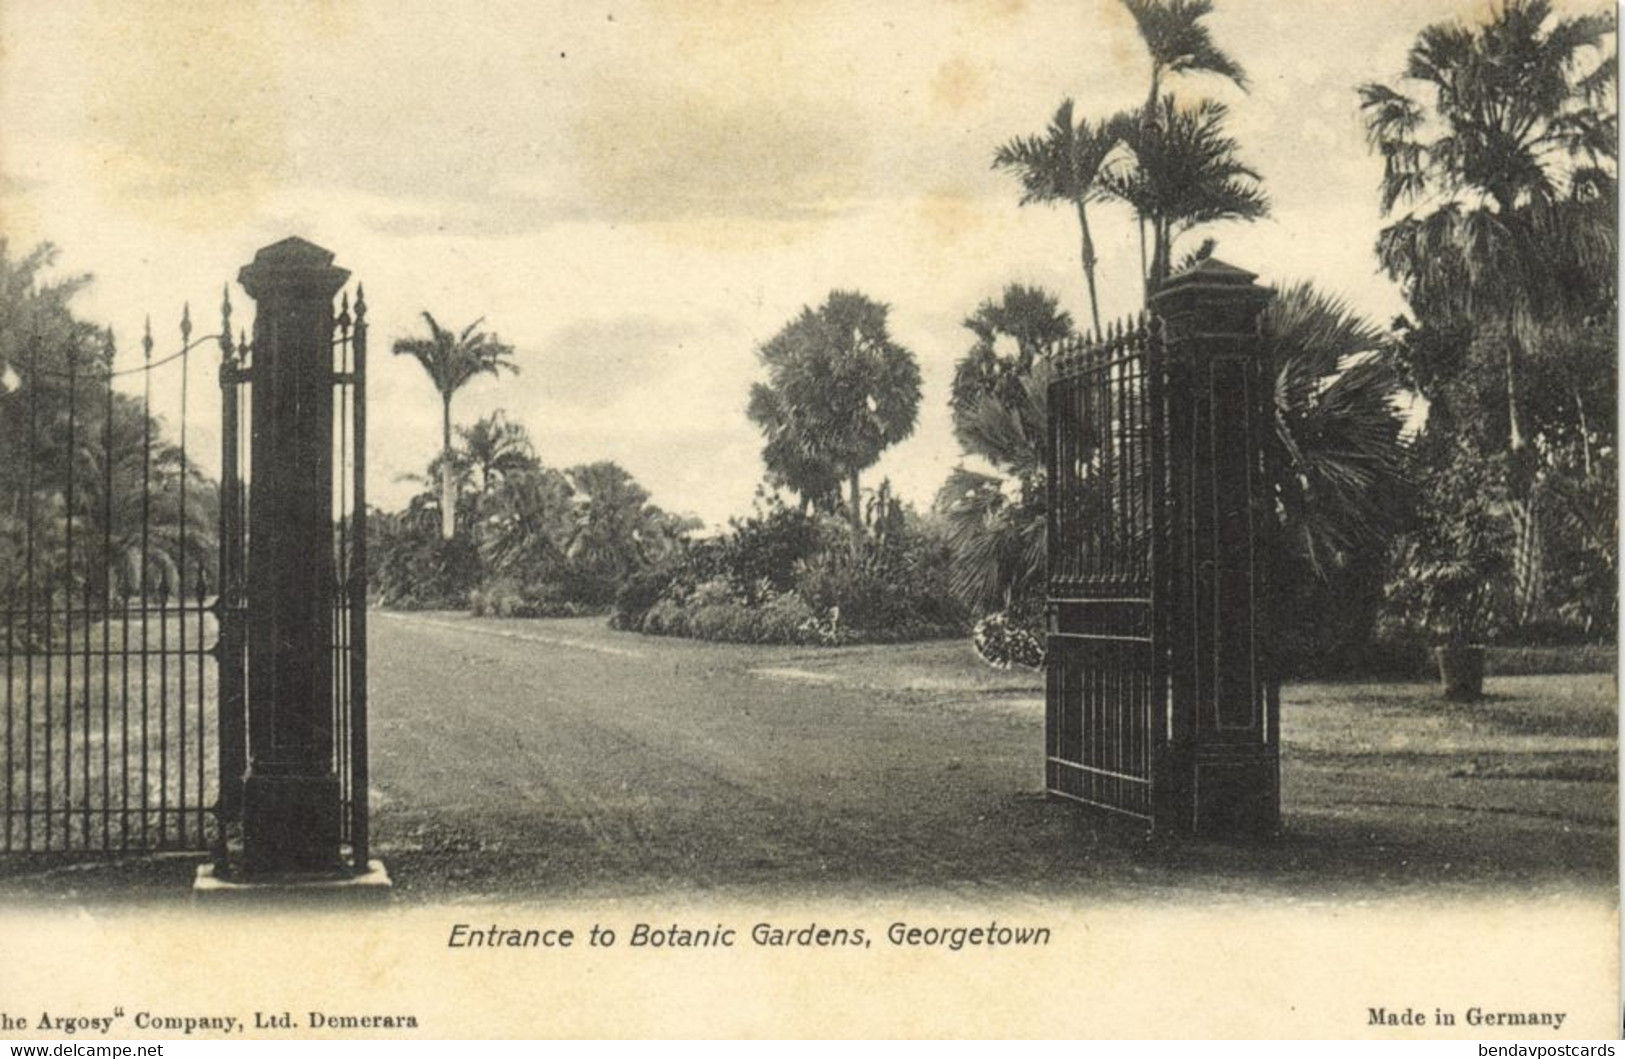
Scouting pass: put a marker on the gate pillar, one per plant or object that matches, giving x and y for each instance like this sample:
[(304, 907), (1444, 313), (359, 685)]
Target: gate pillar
[(291, 808), (1219, 770)]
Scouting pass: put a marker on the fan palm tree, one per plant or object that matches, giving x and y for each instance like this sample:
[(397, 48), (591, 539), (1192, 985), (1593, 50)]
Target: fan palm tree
[(1508, 132), (839, 393), (996, 522), (1182, 171), (1028, 318), (1064, 165), (451, 359), (1339, 426)]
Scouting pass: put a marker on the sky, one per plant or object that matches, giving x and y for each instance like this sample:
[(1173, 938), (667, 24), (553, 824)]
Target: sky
[(637, 195)]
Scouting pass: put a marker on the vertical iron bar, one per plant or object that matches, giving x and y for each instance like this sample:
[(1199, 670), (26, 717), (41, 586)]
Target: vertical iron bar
[(361, 821), (34, 396), (72, 464), (163, 710), (107, 597), (180, 586), (146, 567), (199, 650), (124, 716), (50, 736)]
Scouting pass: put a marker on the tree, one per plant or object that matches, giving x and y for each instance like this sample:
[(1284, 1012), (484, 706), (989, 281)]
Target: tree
[(1178, 44), (1337, 418), (996, 522), (1024, 324), (494, 448), (839, 393), (1506, 133), (451, 360), (1344, 491), (1183, 171), (617, 531), (1065, 165)]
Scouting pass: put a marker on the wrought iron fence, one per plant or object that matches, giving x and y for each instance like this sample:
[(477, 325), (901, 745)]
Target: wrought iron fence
[(110, 578)]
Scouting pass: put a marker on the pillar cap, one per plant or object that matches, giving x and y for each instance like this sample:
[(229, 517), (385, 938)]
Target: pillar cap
[(293, 264), (1211, 277)]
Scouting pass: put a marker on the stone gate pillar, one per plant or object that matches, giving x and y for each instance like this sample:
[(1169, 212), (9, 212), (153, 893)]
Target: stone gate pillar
[(1219, 772), (291, 796)]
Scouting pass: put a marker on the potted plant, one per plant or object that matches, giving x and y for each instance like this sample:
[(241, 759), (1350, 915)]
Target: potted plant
[(1450, 582)]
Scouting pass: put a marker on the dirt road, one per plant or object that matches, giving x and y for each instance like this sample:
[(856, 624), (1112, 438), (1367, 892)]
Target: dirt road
[(557, 757)]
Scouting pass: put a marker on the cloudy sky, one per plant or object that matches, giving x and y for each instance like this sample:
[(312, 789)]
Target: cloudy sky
[(635, 195)]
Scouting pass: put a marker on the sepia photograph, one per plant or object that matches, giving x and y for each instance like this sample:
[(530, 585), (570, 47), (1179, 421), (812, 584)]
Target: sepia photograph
[(990, 518)]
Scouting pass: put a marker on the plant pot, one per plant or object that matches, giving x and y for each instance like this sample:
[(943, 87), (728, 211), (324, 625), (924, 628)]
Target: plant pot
[(1461, 671)]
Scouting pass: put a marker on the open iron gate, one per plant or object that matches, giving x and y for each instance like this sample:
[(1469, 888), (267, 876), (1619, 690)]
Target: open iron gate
[(1162, 702), (123, 625)]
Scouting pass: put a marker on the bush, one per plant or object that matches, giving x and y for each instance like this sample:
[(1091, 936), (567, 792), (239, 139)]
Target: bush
[(766, 549), (784, 577), (640, 592)]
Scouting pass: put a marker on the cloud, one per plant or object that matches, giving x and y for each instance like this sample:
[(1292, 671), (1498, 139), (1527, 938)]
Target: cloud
[(595, 363)]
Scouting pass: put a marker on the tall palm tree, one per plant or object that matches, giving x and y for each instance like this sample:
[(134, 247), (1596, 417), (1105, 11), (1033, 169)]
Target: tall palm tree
[(1507, 132), (1064, 165), (451, 360), (1182, 170), (1178, 43)]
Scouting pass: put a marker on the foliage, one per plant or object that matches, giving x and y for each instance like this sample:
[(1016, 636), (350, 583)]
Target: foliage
[(528, 541), (1066, 164), (781, 576), (839, 393), (1182, 170), (1178, 43), (1504, 136), (1003, 643), (78, 457), (452, 360), (1449, 580)]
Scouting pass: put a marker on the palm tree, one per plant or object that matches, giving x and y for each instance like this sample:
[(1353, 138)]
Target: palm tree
[(1339, 426), (1030, 319), (1178, 44), (1182, 171), (1507, 132), (495, 447), (1336, 418), (839, 393), (1064, 165), (996, 522), (617, 531), (451, 360)]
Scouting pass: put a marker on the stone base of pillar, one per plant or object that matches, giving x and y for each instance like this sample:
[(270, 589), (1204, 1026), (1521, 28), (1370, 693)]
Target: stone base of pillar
[(371, 885), (291, 824), (1218, 791)]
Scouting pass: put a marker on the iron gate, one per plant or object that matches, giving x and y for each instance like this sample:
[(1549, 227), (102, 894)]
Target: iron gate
[(126, 603), (1162, 702), (111, 604), (1106, 528)]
